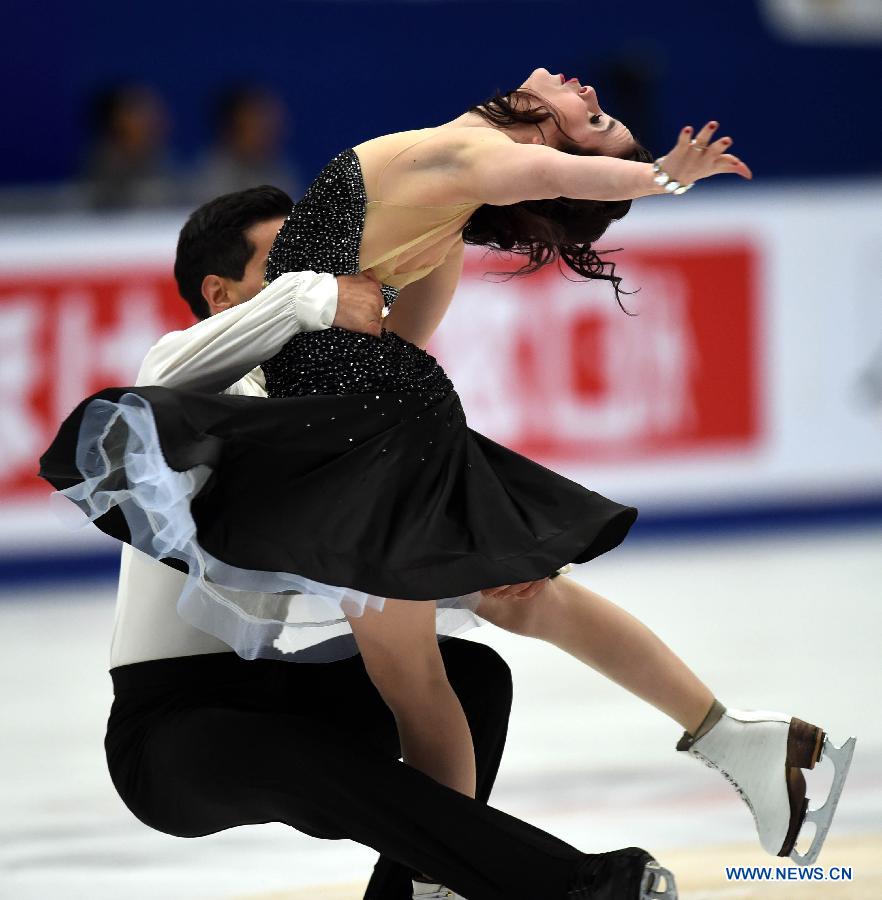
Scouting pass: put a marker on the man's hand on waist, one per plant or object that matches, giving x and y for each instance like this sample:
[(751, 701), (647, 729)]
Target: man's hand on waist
[(359, 303)]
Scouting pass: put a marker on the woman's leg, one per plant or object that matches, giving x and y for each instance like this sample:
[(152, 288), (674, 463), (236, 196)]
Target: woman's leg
[(482, 681), (762, 753), (400, 651), (610, 640), (403, 660), (342, 692)]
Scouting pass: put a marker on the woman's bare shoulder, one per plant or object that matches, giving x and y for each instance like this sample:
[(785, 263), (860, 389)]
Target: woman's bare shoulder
[(392, 137), (432, 146), (448, 144), (418, 167)]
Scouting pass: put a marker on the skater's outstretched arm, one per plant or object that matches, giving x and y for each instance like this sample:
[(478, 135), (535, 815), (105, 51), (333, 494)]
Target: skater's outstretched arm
[(491, 168), (483, 165), (403, 660)]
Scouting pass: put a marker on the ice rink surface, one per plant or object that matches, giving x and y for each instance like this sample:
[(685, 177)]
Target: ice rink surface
[(787, 622)]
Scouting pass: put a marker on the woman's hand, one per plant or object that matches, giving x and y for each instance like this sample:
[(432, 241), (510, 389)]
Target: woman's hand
[(692, 160)]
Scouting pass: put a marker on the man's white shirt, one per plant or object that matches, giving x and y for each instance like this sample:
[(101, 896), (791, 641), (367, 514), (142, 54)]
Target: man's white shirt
[(220, 354)]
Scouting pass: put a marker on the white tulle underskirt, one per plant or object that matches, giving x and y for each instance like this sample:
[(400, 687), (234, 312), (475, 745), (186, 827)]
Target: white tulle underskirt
[(276, 615)]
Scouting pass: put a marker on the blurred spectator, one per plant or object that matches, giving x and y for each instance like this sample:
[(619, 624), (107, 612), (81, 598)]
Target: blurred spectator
[(127, 166), (249, 126)]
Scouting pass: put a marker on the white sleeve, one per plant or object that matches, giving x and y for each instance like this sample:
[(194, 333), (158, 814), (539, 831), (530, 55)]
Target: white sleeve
[(218, 351)]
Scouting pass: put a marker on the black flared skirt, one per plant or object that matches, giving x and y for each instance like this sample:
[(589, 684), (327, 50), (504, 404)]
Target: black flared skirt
[(287, 514)]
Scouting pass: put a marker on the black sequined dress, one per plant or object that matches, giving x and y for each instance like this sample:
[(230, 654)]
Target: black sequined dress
[(358, 479)]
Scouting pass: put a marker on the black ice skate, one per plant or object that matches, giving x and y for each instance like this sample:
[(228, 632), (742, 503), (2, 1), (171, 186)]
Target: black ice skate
[(629, 874), (424, 891)]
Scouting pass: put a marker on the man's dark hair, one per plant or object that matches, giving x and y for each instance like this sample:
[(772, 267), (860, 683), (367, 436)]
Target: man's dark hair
[(213, 241)]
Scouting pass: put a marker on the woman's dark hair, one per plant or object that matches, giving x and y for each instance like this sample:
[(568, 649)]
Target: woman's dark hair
[(547, 230), (213, 240)]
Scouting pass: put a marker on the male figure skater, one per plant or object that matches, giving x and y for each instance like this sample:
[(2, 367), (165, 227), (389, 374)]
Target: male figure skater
[(219, 268)]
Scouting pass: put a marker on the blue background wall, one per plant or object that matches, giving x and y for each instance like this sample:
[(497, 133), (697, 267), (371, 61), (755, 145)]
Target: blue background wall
[(351, 70)]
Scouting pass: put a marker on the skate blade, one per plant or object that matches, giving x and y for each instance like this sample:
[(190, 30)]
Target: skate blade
[(823, 815), (653, 875)]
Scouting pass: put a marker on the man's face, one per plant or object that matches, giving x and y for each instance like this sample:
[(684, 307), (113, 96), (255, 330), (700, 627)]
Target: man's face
[(261, 236)]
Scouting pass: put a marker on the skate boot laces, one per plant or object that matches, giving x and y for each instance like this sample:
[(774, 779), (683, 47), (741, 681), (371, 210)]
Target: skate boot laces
[(712, 765)]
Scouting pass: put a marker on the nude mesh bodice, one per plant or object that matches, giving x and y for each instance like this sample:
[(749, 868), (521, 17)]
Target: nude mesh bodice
[(403, 241), (338, 227)]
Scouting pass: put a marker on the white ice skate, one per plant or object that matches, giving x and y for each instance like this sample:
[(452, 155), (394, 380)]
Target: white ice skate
[(761, 753)]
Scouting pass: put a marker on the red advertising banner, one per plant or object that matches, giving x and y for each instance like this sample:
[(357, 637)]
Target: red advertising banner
[(548, 366), (63, 337)]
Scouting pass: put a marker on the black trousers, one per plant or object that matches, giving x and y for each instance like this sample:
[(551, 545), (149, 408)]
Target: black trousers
[(203, 743)]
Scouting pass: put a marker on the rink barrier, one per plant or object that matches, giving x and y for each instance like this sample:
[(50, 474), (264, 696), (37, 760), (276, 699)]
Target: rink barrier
[(751, 376)]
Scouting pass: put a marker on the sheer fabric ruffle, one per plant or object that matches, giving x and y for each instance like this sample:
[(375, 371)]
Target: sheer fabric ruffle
[(257, 613)]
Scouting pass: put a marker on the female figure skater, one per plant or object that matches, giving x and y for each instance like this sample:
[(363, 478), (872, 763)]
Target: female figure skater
[(360, 488)]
